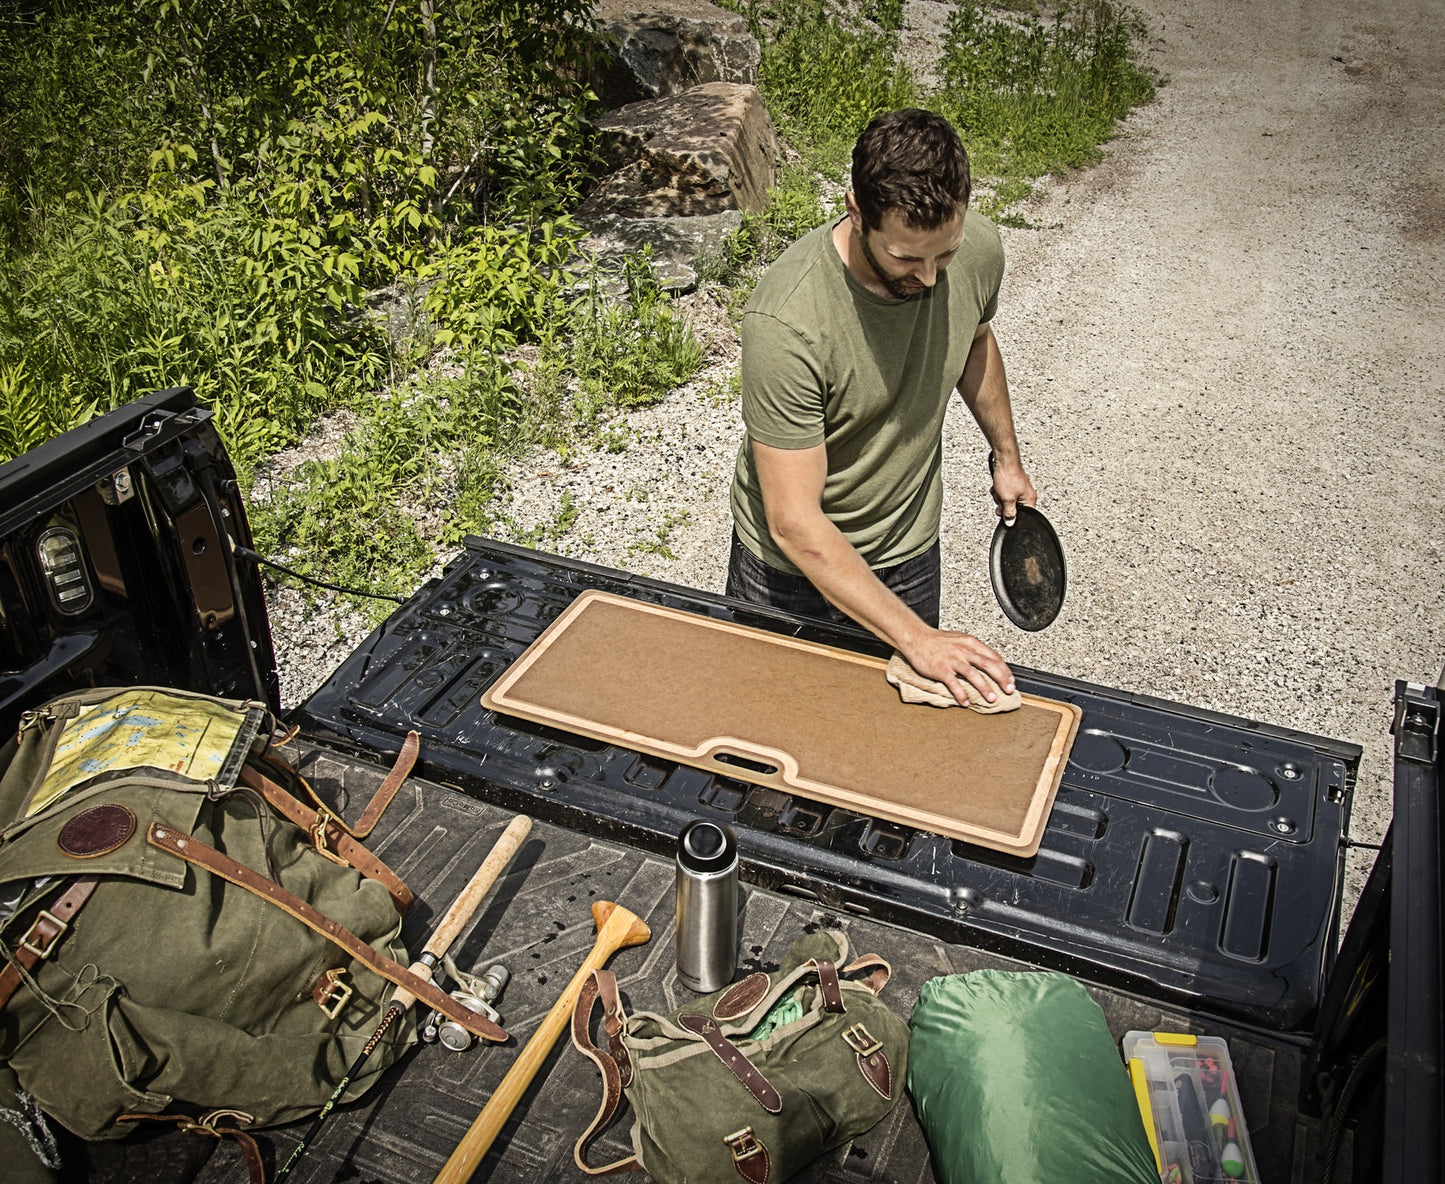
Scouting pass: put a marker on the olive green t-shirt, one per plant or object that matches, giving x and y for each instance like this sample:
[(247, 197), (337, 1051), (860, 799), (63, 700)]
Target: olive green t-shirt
[(826, 361)]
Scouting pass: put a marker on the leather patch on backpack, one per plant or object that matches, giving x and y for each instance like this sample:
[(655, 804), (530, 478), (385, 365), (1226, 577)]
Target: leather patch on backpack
[(742, 997), (97, 831)]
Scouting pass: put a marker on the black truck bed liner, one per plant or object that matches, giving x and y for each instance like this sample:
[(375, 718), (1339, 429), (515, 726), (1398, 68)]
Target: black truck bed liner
[(537, 922), (1189, 854)]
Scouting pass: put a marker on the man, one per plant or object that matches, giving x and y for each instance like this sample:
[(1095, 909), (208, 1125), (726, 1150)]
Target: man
[(852, 344)]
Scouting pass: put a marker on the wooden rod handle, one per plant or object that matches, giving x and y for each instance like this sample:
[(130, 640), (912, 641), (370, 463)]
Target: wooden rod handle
[(616, 928), (466, 904)]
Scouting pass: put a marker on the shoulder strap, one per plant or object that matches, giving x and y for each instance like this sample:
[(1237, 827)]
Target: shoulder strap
[(184, 846), (613, 1063), (328, 837)]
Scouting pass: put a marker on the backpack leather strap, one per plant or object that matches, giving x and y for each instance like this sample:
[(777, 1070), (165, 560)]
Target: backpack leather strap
[(194, 851), (45, 931), (211, 1124), (603, 984), (329, 837), (381, 799)]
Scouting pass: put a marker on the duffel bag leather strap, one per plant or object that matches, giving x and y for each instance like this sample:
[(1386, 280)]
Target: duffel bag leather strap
[(193, 850), (614, 1065), (329, 837), (45, 931), (742, 1068)]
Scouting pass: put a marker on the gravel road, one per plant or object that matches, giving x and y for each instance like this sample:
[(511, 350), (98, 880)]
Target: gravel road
[(1226, 347)]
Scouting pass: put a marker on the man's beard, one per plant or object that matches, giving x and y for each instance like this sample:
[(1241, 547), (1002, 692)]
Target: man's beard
[(895, 288)]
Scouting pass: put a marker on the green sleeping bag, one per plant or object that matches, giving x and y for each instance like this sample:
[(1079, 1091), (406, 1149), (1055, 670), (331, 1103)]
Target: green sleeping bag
[(1016, 1079)]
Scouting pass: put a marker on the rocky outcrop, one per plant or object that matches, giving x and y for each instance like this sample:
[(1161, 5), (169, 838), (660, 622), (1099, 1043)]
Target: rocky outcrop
[(669, 47), (706, 150), (688, 140)]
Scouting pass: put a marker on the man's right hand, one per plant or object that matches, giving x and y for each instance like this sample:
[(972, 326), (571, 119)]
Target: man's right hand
[(953, 658)]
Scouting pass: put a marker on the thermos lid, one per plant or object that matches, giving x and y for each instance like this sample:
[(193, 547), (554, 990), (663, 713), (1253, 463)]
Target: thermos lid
[(706, 846)]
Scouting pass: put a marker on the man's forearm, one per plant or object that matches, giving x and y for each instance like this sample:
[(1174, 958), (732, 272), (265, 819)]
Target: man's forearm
[(833, 565)]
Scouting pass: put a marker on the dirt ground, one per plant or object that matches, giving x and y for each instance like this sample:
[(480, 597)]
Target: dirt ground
[(1226, 346), (1228, 357)]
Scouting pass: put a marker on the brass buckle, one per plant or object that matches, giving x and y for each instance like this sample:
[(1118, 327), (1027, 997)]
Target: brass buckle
[(28, 942), (743, 1144), (319, 839), (861, 1041), (337, 995)]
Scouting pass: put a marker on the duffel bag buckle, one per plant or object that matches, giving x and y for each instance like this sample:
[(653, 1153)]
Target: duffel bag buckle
[(40, 933), (861, 1041), (743, 1144), (331, 993)]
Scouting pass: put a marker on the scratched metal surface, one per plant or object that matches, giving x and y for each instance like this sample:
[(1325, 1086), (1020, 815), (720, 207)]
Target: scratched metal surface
[(537, 922)]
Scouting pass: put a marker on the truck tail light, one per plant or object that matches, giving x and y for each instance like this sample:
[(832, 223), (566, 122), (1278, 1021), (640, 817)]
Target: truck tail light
[(64, 566)]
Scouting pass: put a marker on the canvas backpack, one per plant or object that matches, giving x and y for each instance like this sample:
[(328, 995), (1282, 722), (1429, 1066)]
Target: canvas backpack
[(179, 933), (753, 1081)]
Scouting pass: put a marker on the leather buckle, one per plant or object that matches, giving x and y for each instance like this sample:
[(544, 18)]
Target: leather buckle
[(860, 1040), (332, 994), (37, 933), (743, 1144)]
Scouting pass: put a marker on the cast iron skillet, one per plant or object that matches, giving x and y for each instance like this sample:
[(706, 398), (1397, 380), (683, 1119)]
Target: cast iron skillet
[(1026, 565)]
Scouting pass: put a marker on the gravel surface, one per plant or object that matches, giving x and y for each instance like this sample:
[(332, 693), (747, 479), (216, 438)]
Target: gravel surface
[(1226, 347)]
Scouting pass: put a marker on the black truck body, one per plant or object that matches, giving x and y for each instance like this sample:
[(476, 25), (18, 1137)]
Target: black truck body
[(1190, 874)]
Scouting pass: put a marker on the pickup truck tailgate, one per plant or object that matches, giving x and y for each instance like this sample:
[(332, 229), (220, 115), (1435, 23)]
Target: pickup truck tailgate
[(1191, 856)]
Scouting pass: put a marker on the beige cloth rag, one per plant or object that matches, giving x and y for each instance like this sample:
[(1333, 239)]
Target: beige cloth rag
[(914, 688)]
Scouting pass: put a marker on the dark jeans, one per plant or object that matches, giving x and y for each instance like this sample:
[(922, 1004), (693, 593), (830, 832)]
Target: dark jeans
[(914, 581)]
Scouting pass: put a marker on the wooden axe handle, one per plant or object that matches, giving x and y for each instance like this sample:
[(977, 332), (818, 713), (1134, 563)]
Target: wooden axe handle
[(466, 904), (616, 929)]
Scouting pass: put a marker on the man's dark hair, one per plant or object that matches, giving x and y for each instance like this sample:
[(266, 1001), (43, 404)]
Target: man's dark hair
[(912, 161)]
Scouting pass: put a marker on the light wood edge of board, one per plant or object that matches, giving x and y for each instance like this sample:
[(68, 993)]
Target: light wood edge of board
[(787, 778)]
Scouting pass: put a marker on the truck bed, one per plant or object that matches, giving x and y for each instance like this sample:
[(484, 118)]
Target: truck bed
[(1189, 874), (537, 922), (1189, 856)]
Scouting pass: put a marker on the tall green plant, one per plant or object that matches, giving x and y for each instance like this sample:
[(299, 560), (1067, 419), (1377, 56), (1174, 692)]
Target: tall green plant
[(1035, 96), (824, 80)]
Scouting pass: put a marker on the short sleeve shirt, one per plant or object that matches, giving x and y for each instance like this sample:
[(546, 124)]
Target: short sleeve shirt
[(826, 361)]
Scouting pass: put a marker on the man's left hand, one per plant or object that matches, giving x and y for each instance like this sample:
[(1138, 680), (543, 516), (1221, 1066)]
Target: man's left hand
[(1011, 486)]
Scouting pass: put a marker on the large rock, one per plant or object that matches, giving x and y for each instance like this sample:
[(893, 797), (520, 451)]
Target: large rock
[(684, 170), (676, 246), (669, 47), (709, 149)]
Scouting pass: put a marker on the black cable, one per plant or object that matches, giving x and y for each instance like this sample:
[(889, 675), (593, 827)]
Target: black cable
[(1334, 1134), (246, 553)]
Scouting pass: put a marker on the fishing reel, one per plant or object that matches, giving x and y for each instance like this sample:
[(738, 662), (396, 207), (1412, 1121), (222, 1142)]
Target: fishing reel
[(475, 991)]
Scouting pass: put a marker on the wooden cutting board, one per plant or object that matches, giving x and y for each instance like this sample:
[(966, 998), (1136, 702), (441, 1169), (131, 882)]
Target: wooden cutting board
[(807, 719)]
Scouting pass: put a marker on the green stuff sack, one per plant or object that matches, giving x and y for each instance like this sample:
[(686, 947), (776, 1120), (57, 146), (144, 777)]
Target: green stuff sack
[(1015, 1077)]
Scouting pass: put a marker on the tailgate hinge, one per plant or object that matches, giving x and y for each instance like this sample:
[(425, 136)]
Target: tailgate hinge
[(1416, 727)]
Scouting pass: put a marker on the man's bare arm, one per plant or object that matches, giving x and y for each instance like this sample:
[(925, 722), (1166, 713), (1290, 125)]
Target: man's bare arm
[(792, 486), (984, 387)]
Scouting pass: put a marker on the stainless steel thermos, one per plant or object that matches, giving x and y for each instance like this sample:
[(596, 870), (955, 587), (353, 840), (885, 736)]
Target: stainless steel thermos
[(707, 905)]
